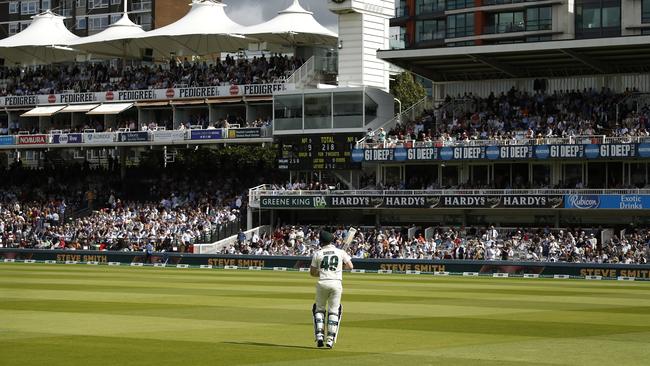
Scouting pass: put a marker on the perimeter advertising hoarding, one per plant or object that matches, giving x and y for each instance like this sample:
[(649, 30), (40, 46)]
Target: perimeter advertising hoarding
[(99, 137), (211, 134), (396, 265), (505, 152), (168, 136), (133, 136), (6, 140), (146, 95), (69, 138), (244, 133), (31, 139), (611, 201), (412, 201)]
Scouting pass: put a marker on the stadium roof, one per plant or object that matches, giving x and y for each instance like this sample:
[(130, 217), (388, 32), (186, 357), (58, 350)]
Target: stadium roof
[(113, 41), (43, 41), (525, 60), (203, 30), (293, 26)]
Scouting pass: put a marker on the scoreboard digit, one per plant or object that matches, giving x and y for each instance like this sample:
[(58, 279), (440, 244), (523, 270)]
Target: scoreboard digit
[(317, 152)]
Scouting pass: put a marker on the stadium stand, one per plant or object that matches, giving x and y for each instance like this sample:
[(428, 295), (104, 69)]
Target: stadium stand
[(475, 243), (91, 77), (521, 117)]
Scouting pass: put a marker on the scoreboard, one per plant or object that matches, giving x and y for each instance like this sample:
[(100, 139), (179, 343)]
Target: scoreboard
[(317, 152)]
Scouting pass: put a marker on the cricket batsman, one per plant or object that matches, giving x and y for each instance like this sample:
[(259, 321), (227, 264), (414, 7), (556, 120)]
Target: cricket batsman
[(327, 264)]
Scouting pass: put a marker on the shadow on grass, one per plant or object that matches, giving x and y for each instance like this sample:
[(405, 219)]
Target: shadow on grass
[(260, 344)]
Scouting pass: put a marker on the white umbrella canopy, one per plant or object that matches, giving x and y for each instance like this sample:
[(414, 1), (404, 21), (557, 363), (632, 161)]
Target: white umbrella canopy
[(114, 41), (205, 29), (293, 26), (44, 41)]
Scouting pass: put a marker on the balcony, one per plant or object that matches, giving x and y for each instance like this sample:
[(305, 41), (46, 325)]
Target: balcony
[(401, 16), (504, 28)]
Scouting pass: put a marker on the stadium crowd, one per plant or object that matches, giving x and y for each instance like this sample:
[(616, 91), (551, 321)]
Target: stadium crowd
[(98, 77), (490, 243), (518, 116)]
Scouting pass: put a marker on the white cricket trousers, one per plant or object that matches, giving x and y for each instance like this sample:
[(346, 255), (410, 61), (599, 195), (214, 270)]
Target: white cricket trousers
[(328, 295)]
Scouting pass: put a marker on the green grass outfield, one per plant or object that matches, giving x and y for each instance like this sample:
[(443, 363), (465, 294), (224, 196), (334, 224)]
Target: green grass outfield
[(99, 315)]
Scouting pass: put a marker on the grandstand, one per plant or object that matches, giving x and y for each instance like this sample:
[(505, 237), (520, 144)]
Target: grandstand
[(507, 144)]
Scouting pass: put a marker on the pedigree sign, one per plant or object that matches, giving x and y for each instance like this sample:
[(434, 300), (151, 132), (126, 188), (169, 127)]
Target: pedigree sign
[(146, 95)]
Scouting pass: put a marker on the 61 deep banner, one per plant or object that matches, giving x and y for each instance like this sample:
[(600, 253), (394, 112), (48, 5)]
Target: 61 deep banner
[(413, 201), (503, 152)]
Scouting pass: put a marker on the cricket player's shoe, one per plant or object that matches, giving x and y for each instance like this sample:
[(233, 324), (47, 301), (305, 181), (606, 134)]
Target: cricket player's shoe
[(319, 326), (330, 342)]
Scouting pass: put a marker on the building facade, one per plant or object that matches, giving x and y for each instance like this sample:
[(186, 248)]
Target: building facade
[(446, 23), (87, 17)]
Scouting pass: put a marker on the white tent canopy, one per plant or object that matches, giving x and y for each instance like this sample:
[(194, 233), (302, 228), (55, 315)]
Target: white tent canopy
[(205, 29), (114, 41), (42, 42), (293, 26)]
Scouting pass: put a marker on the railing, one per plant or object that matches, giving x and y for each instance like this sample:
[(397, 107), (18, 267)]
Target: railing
[(504, 28), (574, 140), (411, 111), (304, 74)]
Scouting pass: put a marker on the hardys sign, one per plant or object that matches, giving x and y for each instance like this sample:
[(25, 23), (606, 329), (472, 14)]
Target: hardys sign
[(542, 152), (412, 201), (144, 95)]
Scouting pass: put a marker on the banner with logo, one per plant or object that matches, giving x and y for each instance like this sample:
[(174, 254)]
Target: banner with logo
[(413, 201), (211, 134), (99, 137), (244, 133), (6, 140), (70, 138), (610, 201), (168, 136), (146, 95), (31, 139), (639, 272), (133, 136), (505, 152)]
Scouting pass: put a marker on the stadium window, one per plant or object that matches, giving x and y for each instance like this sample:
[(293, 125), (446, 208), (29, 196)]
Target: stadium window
[(97, 4), (459, 4), (539, 19), (14, 28), (598, 18), (287, 112), (115, 18), (97, 23), (28, 7), (81, 3), (507, 22), (116, 2), (429, 30), (371, 109), (46, 5), (429, 6), (81, 23), (318, 111), (645, 11), (24, 25), (13, 7), (348, 109), (460, 25)]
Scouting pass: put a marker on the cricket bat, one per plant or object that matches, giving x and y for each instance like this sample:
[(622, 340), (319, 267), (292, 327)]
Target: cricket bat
[(348, 240)]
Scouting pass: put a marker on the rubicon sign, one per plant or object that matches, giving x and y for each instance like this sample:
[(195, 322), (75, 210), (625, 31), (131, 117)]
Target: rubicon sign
[(234, 90), (110, 95), (169, 93), (51, 98)]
